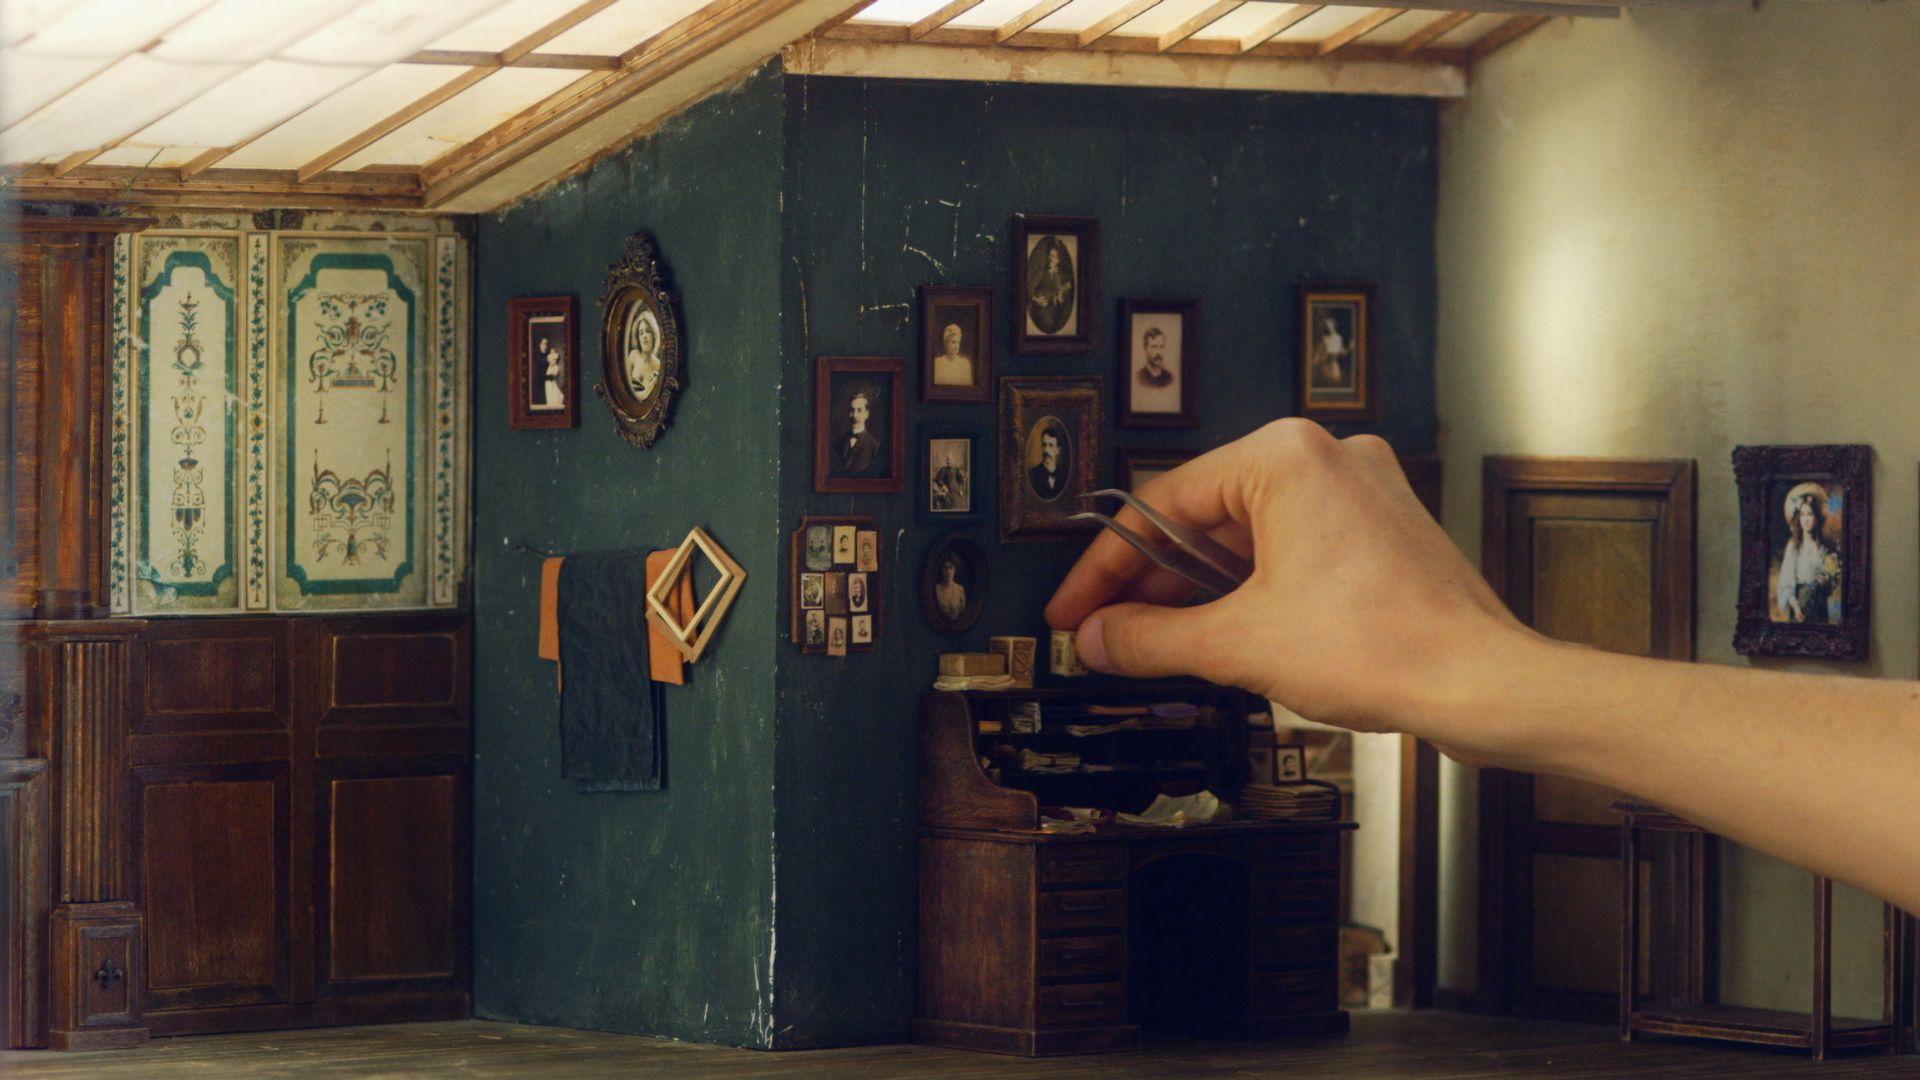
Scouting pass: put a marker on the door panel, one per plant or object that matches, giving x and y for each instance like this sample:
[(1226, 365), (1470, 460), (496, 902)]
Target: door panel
[(1601, 553)]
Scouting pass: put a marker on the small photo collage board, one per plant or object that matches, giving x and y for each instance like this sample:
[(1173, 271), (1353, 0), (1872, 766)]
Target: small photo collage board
[(836, 585)]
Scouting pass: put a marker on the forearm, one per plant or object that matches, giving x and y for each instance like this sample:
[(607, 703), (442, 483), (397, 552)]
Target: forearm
[(1822, 771)]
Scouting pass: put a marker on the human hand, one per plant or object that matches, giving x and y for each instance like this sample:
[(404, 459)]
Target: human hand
[(1360, 612)]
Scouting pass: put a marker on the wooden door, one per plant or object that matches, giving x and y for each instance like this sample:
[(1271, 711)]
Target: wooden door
[(1599, 552)]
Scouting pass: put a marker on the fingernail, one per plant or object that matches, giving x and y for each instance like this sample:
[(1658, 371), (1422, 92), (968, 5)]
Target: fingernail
[(1091, 642)]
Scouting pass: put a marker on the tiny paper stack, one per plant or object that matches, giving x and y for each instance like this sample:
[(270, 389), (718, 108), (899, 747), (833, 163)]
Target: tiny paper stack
[(1289, 802)]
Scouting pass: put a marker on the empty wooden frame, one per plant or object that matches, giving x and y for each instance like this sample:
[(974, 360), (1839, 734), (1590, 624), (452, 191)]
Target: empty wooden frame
[(692, 638)]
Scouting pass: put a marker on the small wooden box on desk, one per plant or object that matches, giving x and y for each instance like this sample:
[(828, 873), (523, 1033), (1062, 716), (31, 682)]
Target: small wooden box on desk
[(1040, 943)]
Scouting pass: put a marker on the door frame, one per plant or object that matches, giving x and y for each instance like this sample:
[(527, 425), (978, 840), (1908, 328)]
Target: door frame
[(1501, 984)]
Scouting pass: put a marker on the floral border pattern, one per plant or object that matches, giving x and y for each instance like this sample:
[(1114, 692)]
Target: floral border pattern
[(257, 450), (119, 504)]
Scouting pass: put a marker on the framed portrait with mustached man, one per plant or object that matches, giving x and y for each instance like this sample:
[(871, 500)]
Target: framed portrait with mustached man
[(1157, 384), (1049, 456), (859, 419)]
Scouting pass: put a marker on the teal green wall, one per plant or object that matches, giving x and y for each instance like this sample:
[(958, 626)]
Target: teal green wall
[(767, 896), (889, 185), (644, 912)]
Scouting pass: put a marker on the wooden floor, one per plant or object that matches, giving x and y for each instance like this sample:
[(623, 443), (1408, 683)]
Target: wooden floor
[(1392, 1044)]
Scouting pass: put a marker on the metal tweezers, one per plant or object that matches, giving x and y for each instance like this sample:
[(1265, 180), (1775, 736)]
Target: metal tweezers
[(1188, 552)]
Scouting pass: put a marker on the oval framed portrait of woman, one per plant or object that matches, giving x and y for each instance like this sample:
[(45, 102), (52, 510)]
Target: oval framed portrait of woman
[(640, 362), (953, 584)]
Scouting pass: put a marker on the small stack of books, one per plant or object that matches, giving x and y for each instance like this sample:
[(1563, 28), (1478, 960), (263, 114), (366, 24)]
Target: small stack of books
[(1289, 802)]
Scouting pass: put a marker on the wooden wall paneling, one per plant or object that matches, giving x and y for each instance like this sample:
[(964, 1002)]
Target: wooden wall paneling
[(26, 900), (93, 710), (215, 849), (96, 993), (13, 600), (20, 278)]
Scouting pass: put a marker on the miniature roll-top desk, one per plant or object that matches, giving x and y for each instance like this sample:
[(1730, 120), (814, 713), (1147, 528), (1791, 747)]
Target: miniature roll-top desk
[(1040, 943)]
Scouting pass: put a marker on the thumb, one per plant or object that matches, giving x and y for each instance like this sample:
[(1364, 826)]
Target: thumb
[(1150, 641)]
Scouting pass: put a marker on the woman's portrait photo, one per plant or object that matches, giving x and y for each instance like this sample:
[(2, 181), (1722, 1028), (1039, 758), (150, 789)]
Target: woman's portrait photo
[(843, 544), (1805, 518), (819, 547), (956, 343), (866, 548), (858, 412), (640, 361), (544, 358), (1159, 372), (950, 475), (953, 585), (1335, 365), (643, 361), (1806, 559), (1049, 459), (1056, 283), (860, 629)]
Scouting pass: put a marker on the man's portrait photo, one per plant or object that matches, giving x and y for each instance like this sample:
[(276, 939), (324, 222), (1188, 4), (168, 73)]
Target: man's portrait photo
[(1159, 363), (862, 629), (1049, 469), (858, 411), (950, 475), (856, 592), (816, 629), (1052, 290)]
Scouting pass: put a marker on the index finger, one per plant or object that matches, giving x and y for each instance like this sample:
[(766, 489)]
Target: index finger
[(1204, 493)]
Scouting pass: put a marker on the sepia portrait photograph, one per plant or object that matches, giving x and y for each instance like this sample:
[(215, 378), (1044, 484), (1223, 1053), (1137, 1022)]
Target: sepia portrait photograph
[(819, 547), (956, 344), (949, 475), (1335, 365), (1049, 455), (1158, 381), (866, 547), (1289, 763), (836, 597), (544, 359), (639, 344), (812, 591), (844, 544), (1056, 283), (953, 584), (1803, 550), (816, 629), (857, 593), (858, 416), (860, 630)]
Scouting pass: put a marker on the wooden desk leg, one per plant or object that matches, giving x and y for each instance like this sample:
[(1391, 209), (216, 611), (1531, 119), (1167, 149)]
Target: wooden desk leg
[(1629, 923), (1822, 965)]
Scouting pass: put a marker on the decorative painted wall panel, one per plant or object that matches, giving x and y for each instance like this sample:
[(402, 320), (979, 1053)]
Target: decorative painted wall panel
[(185, 423), (289, 419)]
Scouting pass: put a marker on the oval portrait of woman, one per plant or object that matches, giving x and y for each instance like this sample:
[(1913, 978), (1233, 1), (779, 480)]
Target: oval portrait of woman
[(953, 585), (1050, 285)]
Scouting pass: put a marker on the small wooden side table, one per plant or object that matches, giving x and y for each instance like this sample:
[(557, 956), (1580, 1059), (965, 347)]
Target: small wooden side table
[(1817, 1030)]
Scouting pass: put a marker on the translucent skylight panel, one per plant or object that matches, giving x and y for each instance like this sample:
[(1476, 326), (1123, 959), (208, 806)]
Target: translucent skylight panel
[(342, 116), (148, 157), (470, 114), (249, 103), (1079, 15), (110, 28), (28, 82), (619, 28), (1244, 20), (380, 31), (119, 101), (1324, 24), (1469, 32), (242, 31), (23, 18), (1162, 17), (503, 26), (991, 14), (899, 12), (1404, 27)]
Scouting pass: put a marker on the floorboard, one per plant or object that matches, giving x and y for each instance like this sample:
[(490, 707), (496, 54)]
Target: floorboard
[(1383, 1044)]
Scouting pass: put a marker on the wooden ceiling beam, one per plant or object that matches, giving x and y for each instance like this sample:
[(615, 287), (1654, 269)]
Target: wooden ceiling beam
[(1120, 17), (1432, 32), (1027, 18), (1357, 29), (219, 187), (568, 61), (1277, 25), (419, 107), (1209, 15), (1504, 34), (948, 12)]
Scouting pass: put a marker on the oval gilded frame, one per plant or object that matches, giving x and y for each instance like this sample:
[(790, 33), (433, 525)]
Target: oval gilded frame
[(636, 296)]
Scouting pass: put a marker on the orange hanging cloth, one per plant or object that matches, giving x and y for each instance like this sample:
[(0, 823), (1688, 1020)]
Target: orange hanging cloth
[(550, 609)]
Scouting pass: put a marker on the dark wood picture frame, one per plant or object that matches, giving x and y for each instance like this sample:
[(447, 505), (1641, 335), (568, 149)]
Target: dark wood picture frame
[(1084, 275), (978, 477), (1353, 397), (637, 307), (1297, 752), (531, 322), (933, 341), (893, 413), (1761, 472), (1026, 402), (797, 567), (1133, 458), (975, 560), (1131, 376)]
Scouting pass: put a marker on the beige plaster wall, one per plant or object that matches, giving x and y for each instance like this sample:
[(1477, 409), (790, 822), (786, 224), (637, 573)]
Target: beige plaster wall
[(1664, 236)]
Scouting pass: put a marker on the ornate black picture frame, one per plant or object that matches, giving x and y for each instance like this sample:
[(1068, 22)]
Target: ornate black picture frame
[(1056, 284), (1806, 520), (953, 585), (641, 365)]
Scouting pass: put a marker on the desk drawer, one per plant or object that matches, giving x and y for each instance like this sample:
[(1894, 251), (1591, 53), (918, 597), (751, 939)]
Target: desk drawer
[(1294, 992), (1082, 862), (1294, 901), (1310, 945), (1315, 854), (1082, 1003), (1082, 909), (1082, 956)]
